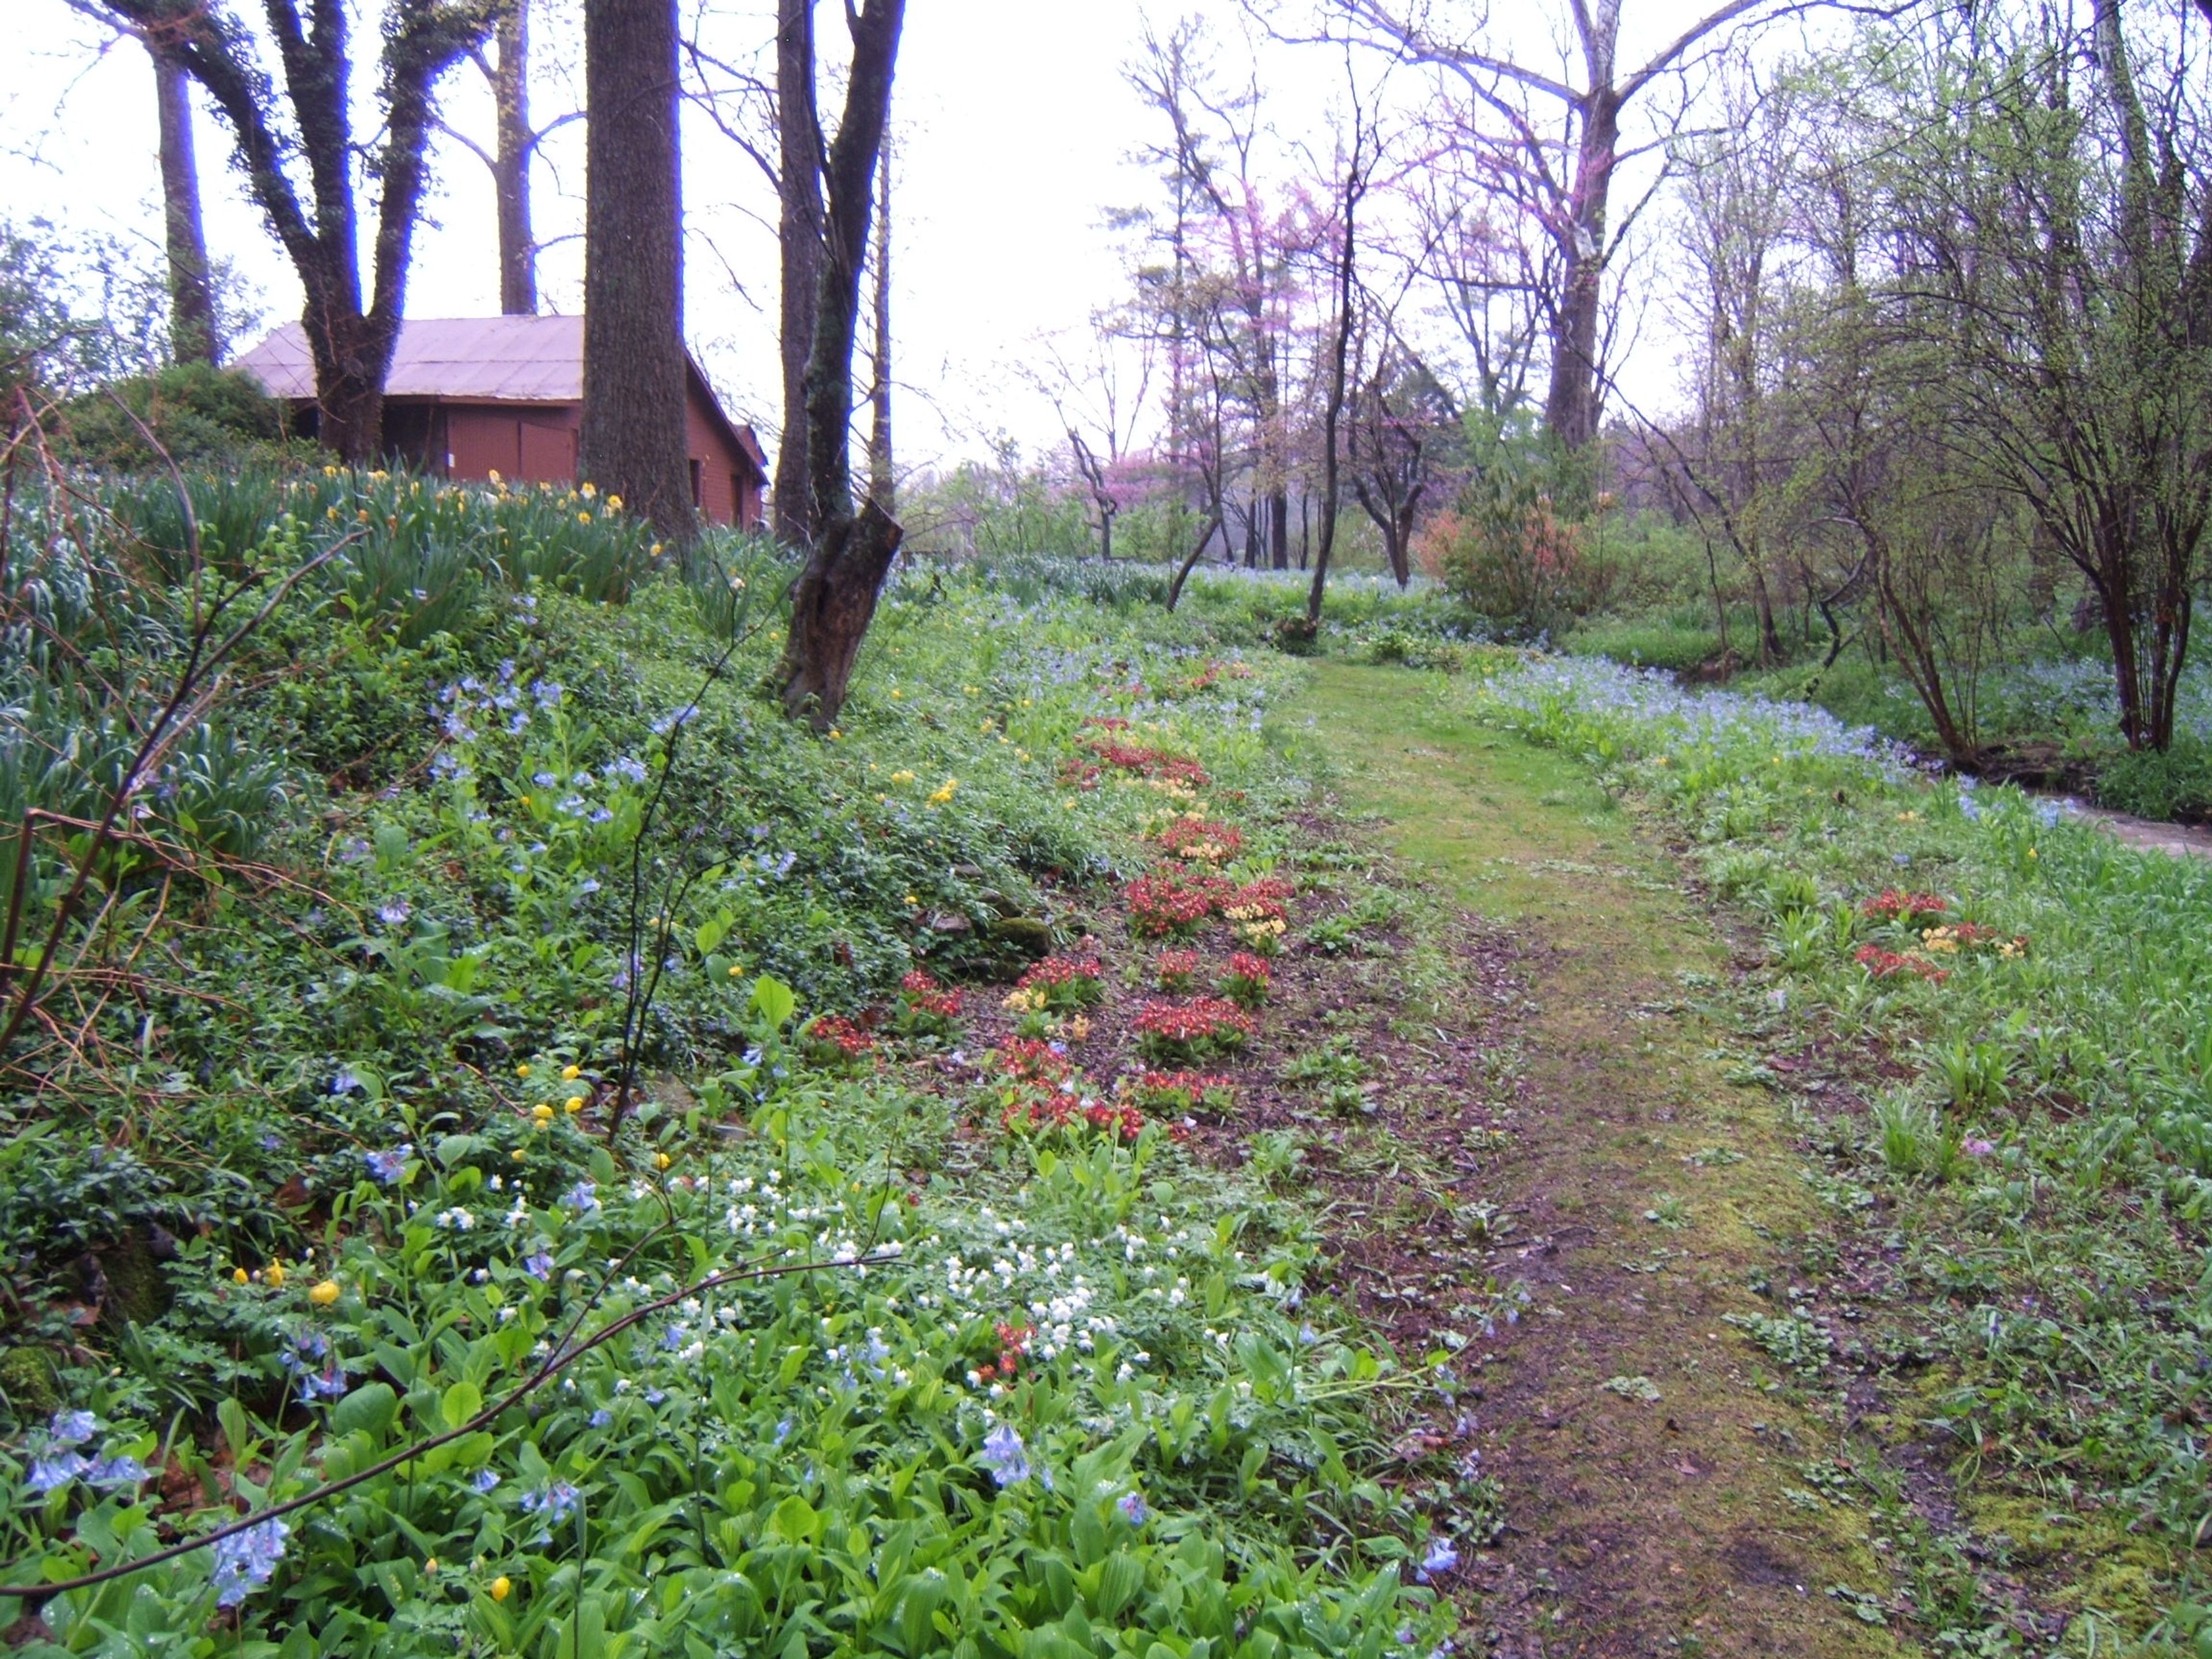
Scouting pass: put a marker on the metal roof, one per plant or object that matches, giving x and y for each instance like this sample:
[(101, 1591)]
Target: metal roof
[(516, 359), (495, 359)]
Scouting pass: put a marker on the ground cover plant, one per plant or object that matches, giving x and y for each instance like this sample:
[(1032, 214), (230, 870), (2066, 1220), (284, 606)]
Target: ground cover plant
[(2002, 1054), (495, 1167)]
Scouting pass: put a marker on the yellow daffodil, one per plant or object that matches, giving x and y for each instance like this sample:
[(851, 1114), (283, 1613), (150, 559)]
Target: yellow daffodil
[(896, 694), (273, 1275), (542, 1112), (614, 503), (501, 1589), (492, 475), (430, 1564), (240, 1275), (516, 1155), (661, 1160), (583, 518), (589, 490), (570, 1073), (325, 1293), (575, 1104)]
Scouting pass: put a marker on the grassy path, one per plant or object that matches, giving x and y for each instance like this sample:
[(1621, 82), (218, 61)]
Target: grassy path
[(1647, 1196)]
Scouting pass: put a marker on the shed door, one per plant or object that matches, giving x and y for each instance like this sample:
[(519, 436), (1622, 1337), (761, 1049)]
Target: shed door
[(549, 453)]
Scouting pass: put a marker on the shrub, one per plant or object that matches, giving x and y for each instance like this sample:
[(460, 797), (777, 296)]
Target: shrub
[(2172, 784)]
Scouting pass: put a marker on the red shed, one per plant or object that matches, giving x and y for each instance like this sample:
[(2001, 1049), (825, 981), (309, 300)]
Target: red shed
[(471, 396)]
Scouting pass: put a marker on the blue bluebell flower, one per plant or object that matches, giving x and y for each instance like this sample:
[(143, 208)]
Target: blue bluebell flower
[(1005, 1456), (67, 1428), (1133, 1508), (51, 1474), (245, 1561)]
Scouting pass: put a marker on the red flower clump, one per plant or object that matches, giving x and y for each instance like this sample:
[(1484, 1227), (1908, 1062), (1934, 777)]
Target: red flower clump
[(1148, 762), (1029, 1059), (1173, 902), (1175, 970), (1105, 723), (1905, 910), (1201, 840), (1265, 900), (833, 1035), (1030, 1112), (1178, 1032), (1066, 981), (1246, 981), (925, 995), (1888, 964), (1014, 1348)]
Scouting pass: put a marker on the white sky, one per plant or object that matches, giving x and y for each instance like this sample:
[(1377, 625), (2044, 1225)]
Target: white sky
[(1014, 124)]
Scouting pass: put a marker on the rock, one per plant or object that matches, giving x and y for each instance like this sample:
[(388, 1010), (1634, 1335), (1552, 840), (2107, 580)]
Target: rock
[(1027, 934)]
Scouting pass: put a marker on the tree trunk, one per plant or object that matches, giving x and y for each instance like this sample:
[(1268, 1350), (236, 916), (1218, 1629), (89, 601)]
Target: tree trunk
[(883, 484), (799, 135), (1197, 551), (510, 173), (1332, 418), (834, 599), (632, 442), (191, 292), (1570, 407), (831, 606)]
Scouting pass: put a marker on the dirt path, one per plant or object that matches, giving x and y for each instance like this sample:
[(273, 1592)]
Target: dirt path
[(1647, 1455)]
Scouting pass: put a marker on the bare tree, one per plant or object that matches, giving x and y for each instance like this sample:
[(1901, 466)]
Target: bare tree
[(1401, 425), (632, 442), (834, 600), (883, 483), (515, 148), (1554, 142), (350, 341), (800, 230), (192, 287), (1357, 169)]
